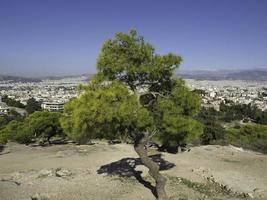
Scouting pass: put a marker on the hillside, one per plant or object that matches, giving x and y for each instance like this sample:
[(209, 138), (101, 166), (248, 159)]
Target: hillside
[(18, 79), (249, 75), (113, 172), (39, 79)]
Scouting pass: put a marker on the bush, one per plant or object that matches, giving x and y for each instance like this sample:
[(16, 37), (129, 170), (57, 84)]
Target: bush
[(3, 138), (40, 124), (24, 136), (16, 131), (212, 132), (6, 118), (12, 102), (37, 125), (32, 106), (251, 136)]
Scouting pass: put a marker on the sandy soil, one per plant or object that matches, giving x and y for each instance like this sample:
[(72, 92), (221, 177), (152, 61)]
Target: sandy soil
[(102, 172)]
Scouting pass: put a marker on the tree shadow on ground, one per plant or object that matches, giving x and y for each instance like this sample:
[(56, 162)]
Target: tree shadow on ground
[(126, 168), (2, 147)]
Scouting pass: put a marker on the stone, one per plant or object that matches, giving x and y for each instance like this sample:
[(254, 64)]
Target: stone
[(250, 195), (259, 193), (8, 183), (45, 173), (63, 172)]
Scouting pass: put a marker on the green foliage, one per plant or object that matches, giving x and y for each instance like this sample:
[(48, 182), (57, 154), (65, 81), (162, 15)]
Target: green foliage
[(103, 112), (12, 102), (213, 133), (174, 116), (206, 115), (5, 119), (251, 136), (3, 137), (211, 189), (7, 125), (133, 93), (16, 130), (242, 111), (260, 117), (21, 133), (130, 59), (199, 91), (37, 125), (32, 106), (43, 124)]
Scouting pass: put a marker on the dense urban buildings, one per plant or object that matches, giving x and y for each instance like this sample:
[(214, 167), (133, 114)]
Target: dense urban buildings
[(51, 93), (54, 93), (237, 91)]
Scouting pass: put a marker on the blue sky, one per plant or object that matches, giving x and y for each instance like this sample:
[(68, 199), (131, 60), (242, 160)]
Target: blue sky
[(56, 37)]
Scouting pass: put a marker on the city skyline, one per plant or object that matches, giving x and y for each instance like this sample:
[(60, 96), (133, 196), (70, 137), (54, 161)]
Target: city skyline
[(43, 38)]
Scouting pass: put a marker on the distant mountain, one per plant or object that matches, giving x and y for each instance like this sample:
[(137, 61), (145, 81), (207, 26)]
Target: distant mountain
[(250, 75), (66, 76), (39, 79), (18, 79)]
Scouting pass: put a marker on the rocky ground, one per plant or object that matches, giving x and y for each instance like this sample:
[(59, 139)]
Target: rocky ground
[(113, 172)]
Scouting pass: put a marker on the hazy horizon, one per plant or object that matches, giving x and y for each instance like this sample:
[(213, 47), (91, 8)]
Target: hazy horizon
[(179, 71), (54, 38)]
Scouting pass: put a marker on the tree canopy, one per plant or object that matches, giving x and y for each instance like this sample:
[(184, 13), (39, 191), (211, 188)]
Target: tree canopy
[(40, 124), (134, 93), (32, 105), (12, 102), (133, 84)]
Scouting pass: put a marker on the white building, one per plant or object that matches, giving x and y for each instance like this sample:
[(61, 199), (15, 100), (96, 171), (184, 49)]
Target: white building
[(4, 109), (53, 106)]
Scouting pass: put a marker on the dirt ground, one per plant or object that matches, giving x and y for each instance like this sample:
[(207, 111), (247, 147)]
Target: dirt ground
[(114, 172)]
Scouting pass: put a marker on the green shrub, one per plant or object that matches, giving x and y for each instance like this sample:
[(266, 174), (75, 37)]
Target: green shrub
[(212, 132), (37, 125), (3, 138), (12, 102), (24, 136), (251, 136)]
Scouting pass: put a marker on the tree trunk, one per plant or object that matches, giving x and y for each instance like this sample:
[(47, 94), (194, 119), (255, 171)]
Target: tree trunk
[(140, 148)]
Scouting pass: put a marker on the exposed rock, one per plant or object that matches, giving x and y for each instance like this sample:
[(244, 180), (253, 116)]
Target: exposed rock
[(240, 149), (34, 145), (250, 195), (114, 142), (259, 193), (45, 173), (65, 153), (82, 151), (9, 182), (17, 176), (63, 172)]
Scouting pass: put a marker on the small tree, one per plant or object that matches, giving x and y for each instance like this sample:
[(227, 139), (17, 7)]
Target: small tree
[(134, 93), (12, 102), (32, 105), (40, 124), (16, 130), (44, 124)]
